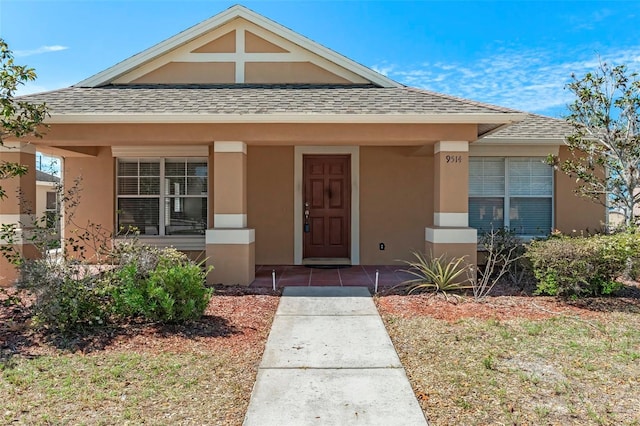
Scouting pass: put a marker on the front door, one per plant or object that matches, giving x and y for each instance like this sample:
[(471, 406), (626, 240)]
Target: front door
[(327, 206)]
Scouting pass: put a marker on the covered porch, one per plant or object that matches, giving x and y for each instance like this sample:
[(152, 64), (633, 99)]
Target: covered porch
[(389, 276)]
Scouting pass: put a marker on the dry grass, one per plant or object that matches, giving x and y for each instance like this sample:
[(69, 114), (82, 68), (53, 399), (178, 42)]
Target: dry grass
[(552, 369), (202, 373)]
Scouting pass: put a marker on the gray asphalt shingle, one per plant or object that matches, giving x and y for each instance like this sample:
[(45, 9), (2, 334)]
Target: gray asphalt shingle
[(535, 127), (255, 99)]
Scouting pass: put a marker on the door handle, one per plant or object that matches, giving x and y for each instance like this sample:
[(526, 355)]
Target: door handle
[(307, 227)]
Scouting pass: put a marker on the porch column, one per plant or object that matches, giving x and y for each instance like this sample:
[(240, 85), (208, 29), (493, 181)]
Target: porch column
[(230, 244), (19, 205), (450, 234)]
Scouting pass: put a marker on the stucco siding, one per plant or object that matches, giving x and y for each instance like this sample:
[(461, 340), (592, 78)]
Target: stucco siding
[(270, 202), (289, 73), (97, 191), (396, 203), (190, 73), (573, 213)]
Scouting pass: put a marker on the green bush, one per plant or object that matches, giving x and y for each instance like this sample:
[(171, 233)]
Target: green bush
[(582, 266), (159, 285), (68, 297), (156, 284)]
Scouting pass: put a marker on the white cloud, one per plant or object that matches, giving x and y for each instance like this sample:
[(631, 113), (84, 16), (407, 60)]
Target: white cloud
[(383, 69), (39, 50), (525, 79), (30, 88)]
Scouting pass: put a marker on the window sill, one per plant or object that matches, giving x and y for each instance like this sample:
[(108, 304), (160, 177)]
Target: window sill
[(180, 242)]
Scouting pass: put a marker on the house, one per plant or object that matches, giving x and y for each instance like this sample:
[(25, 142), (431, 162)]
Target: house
[(47, 205), (247, 141)]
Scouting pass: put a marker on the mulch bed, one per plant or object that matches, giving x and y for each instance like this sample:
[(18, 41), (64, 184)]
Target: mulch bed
[(237, 316), (236, 319)]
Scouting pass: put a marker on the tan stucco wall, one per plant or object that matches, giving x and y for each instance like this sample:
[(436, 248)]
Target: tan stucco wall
[(232, 264), (191, 72), (230, 198), (20, 191), (573, 212), (289, 72), (255, 134), (396, 203), (453, 251), (270, 202), (223, 44), (451, 182), (97, 204), (255, 44)]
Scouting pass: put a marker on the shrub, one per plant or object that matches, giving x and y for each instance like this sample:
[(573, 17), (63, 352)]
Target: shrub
[(159, 285), (72, 294), (504, 256), (68, 299), (581, 266), (436, 274)]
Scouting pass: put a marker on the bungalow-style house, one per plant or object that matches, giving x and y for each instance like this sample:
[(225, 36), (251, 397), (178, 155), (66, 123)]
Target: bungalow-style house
[(245, 140)]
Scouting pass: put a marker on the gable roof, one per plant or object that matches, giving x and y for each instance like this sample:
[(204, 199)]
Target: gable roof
[(111, 74), (267, 103), (46, 177)]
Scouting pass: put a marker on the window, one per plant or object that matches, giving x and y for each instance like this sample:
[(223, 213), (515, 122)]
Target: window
[(51, 210), (523, 187), (162, 196)]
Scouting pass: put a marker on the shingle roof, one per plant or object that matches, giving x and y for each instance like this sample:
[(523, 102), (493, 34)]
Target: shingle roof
[(255, 99), (535, 127), (46, 177)]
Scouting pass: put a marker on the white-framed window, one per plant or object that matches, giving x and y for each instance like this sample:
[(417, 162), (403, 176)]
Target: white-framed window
[(162, 196), (52, 210), (523, 187)]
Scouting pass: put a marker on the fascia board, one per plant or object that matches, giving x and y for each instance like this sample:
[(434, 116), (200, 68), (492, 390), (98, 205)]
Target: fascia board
[(284, 118), (111, 73), (520, 140), (237, 11), (319, 49)]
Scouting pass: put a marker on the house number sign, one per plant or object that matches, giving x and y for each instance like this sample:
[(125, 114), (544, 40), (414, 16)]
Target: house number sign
[(454, 158)]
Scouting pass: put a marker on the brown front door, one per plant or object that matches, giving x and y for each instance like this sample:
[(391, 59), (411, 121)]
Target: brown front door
[(327, 198)]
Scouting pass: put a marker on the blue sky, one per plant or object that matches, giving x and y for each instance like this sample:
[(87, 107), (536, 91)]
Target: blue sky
[(518, 54)]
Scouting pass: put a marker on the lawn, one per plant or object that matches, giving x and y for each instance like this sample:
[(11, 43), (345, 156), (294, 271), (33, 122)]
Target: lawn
[(520, 360), (515, 360), (202, 373)]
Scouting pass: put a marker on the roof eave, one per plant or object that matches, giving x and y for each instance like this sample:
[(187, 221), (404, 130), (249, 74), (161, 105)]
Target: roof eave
[(522, 141), (480, 118)]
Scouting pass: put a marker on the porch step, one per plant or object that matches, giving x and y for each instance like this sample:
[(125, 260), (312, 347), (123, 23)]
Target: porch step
[(326, 261)]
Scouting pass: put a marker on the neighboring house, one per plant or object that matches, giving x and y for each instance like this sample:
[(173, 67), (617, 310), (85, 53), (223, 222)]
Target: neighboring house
[(47, 198), (242, 139)]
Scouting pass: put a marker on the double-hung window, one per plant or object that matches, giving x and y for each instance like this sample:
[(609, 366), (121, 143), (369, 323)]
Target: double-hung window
[(162, 196), (513, 193)]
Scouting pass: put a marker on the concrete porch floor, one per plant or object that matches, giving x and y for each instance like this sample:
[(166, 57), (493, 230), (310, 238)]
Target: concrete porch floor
[(356, 275)]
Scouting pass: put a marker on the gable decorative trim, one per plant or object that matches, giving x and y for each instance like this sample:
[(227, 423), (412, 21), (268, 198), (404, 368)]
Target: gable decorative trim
[(258, 25)]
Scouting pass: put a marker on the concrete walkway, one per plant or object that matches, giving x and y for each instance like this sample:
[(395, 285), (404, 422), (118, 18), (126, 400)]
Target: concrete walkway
[(329, 361)]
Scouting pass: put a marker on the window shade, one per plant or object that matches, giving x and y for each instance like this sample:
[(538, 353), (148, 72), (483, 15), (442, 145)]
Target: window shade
[(486, 177), (530, 177)]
